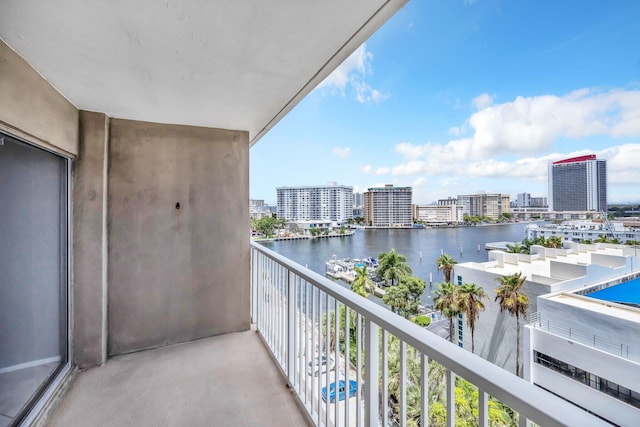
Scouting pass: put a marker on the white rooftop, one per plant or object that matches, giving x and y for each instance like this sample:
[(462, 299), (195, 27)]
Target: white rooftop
[(612, 309)]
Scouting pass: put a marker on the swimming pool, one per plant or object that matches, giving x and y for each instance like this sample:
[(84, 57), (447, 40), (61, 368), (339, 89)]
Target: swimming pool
[(625, 293)]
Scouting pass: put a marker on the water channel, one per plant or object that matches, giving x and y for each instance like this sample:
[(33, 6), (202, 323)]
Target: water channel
[(421, 247)]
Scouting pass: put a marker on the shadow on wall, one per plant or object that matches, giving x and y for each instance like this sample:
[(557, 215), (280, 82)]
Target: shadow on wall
[(497, 336)]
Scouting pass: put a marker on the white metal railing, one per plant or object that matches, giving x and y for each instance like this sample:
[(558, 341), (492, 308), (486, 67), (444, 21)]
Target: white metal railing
[(295, 313), (537, 321)]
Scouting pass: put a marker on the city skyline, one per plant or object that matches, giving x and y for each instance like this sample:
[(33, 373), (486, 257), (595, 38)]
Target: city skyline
[(456, 98)]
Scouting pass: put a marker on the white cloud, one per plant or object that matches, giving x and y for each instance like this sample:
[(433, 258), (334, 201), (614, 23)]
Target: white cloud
[(483, 101), (366, 94), (352, 73), (420, 182), (342, 152), (527, 127), (370, 170)]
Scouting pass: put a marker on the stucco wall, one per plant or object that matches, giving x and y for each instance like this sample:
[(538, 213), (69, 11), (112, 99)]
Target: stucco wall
[(31, 108), (176, 274), (495, 331), (90, 241), (612, 368)]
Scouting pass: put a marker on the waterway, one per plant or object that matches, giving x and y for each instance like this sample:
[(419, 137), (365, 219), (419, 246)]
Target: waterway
[(421, 247)]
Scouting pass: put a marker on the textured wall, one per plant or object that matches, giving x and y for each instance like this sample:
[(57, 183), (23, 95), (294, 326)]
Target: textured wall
[(176, 274), (89, 241), (32, 108)]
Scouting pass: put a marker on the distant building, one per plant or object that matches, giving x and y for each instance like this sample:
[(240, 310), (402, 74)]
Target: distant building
[(524, 200), (331, 202), (438, 214), (491, 205), (358, 200), (256, 202), (578, 184), (538, 202), (545, 214), (388, 206), (448, 201), (582, 230)]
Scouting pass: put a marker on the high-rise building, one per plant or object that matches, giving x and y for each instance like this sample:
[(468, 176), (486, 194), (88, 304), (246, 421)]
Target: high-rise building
[(578, 184), (331, 202), (388, 206)]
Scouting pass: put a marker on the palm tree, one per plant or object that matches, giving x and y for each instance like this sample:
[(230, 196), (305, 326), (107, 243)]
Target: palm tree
[(392, 266), (445, 263), (511, 298), (554, 242), (515, 248), (362, 281), (447, 301), (471, 296)]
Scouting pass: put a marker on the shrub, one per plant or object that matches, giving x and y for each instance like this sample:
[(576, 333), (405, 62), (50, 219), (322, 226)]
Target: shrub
[(423, 321)]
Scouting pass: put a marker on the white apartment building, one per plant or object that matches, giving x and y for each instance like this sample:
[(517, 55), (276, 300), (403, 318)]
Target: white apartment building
[(438, 214), (331, 202), (564, 339), (587, 351), (388, 206), (579, 231)]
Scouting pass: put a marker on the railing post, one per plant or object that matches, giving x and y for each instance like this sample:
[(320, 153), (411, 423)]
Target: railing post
[(371, 347), (424, 390), (254, 285), (291, 329), (403, 384), (483, 409), (451, 398)]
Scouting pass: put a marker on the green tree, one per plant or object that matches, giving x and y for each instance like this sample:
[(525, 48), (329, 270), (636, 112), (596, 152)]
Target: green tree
[(447, 302), (362, 281), (392, 266), (395, 298), (471, 296), (446, 263), (266, 225), (511, 297), (404, 299)]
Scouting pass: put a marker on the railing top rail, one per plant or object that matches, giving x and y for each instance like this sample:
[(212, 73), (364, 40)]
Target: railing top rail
[(522, 396), (537, 321)]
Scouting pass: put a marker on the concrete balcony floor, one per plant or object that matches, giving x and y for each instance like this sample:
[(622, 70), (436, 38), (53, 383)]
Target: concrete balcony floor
[(228, 380)]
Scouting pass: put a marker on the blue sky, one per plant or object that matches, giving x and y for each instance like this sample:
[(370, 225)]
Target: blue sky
[(456, 97)]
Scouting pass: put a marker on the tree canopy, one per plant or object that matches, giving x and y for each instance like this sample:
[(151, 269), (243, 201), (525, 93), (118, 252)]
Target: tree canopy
[(447, 301), (393, 266), (446, 263)]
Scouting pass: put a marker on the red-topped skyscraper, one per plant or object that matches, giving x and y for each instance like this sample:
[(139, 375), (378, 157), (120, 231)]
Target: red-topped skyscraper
[(578, 184)]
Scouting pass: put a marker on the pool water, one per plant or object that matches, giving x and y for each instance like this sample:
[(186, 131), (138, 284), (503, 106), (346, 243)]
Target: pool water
[(626, 293)]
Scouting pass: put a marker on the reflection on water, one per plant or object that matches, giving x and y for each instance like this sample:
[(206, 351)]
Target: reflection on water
[(461, 243)]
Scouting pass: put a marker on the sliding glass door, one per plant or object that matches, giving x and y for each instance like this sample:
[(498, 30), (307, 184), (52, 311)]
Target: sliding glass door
[(33, 274)]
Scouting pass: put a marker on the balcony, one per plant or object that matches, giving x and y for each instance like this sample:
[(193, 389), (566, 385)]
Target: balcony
[(225, 380), (249, 378)]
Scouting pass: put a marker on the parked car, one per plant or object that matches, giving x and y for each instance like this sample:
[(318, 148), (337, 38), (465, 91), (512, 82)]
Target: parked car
[(344, 389), (319, 365)]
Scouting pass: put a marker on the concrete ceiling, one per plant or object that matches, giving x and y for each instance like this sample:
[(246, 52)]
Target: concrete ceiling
[(217, 63)]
